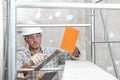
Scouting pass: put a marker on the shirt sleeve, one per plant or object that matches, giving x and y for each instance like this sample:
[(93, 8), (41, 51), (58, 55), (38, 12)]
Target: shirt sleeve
[(64, 55), (20, 59)]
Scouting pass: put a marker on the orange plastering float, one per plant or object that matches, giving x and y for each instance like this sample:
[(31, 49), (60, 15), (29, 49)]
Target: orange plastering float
[(69, 39)]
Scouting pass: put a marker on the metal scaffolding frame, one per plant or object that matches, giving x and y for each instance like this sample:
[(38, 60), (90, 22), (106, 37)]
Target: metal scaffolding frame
[(11, 40), (12, 27), (54, 25), (69, 5)]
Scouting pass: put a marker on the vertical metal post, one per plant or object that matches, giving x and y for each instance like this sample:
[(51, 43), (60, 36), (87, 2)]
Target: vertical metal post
[(5, 61), (93, 36), (12, 41), (1, 39)]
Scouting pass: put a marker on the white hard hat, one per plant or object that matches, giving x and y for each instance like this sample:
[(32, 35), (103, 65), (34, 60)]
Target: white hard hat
[(28, 31), (31, 30)]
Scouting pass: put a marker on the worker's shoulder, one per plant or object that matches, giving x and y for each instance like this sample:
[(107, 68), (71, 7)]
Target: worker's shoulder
[(22, 51)]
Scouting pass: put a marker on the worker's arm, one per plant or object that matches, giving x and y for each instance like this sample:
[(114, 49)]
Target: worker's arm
[(35, 59), (76, 52), (68, 56), (25, 66), (23, 73), (23, 62)]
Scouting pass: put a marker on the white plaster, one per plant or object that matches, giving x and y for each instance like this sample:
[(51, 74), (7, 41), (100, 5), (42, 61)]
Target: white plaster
[(57, 14), (77, 70), (69, 17), (51, 17), (51, 41), (86, 38), (117, 62), (111, 35), (31, 22), (109, 68), (38, 15)]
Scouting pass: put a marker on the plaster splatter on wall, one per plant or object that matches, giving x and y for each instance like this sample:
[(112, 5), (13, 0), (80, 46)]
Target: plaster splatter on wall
[(69, 17), (86, 38), (109, 68), (38, 15), (50, 17), (111, 35), (117, 62), (57, 14), (51, 41)]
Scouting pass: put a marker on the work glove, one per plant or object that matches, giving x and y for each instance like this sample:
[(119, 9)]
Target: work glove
[(36, 58)]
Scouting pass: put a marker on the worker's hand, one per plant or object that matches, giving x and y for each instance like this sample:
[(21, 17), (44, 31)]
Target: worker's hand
[(76, 52), (36, 58)]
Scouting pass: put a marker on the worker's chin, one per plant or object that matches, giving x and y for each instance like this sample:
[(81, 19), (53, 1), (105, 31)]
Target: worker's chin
[(36, 46)]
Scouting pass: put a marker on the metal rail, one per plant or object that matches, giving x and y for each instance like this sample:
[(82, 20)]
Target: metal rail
[(69, 5), (106, 42), (42, 69), (53, 25), (29, 69)]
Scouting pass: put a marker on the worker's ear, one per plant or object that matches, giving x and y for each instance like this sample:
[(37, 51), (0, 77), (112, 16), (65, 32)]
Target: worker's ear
[(25, 39)]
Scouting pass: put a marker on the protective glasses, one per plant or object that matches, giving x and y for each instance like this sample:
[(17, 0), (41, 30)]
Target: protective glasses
[(30, 37)]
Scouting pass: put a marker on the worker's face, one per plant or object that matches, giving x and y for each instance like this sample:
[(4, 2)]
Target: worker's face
[(33, 40)]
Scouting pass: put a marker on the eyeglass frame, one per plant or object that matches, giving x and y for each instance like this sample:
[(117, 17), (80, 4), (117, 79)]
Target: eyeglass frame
[(32, 36)]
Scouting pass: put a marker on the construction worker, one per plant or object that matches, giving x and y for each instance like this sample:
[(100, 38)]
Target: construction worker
[(35, 53)]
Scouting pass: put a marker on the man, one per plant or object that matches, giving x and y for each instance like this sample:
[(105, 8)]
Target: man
[(35, 53)]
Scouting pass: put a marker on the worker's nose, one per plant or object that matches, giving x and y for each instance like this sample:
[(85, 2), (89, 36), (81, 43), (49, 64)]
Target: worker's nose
[(34, 39)]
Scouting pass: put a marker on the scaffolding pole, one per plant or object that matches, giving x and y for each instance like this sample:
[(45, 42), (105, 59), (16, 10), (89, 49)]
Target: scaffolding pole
[(93, 56), (53, 25), (1, 39), (106, 42), (12, 41), (69, 5)]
